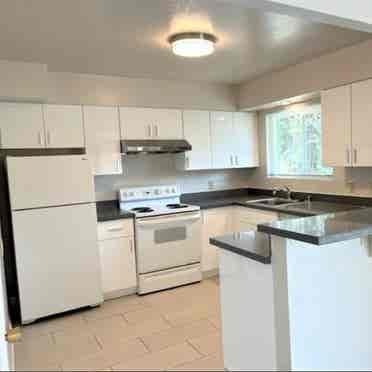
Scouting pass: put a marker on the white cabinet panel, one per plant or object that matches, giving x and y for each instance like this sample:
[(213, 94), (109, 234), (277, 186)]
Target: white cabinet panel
[(245, 140), (148, 123), (222, 144), (102, 135), (216, 222), (136, 123), (336, 127), (362, 123), (21, 125), (64, 126), (197, 132), (168, 124), (118, 265)]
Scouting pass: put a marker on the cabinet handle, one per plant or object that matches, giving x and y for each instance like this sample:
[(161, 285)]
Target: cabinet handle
[(48, 137), (40, 138), (187, 163), (156, 130), (236, 160), (117, 162), (232, 160), (150, 130), (347, 156), (115, 229), (1, 139), (131, 245), (355, 156)]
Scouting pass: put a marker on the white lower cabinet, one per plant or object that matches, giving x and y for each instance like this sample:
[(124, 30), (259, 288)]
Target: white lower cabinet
[(226, 220), (216, 222), (118, 262)]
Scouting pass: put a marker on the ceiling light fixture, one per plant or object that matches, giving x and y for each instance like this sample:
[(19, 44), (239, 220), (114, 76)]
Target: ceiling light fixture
[(193, 44)]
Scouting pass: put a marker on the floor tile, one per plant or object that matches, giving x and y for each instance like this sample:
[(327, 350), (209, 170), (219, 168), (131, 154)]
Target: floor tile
[(177, 335), (208, 344), (210, 363), (142, 315), (115, 307), (216, 321), (161, 360)]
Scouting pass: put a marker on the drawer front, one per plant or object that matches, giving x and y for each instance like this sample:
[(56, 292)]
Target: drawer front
[(115, 229), (254, 216)]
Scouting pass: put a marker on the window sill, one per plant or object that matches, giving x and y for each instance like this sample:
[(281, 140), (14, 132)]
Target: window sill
[(303, 178)]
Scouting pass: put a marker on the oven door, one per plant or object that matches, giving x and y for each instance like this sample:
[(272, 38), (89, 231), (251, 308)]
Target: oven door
[(168, 241)]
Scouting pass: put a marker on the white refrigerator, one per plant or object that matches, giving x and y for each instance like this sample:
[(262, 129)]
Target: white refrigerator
[(55, 234)]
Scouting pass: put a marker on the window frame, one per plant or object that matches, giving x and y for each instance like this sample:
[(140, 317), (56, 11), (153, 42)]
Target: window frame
[(303, 106)]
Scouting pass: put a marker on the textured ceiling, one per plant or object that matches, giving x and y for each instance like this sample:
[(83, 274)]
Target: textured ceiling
[(128, 38)]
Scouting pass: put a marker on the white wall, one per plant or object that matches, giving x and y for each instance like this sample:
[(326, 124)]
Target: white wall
[(341, 67), (147, 170)]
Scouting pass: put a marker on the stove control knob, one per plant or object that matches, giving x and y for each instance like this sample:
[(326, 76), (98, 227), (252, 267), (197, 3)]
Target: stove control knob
[(131, 194), (157, 192)]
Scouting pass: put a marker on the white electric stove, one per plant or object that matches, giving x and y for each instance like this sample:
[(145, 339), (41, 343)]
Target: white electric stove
[(168, 237)]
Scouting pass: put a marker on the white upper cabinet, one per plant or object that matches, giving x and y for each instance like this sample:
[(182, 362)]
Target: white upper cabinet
[(136, 123), (21, 126), (147, 123), (337, 127), (362, 123), (102, 135), (245, 140), (64, 126), (222, 135), (197, 131)]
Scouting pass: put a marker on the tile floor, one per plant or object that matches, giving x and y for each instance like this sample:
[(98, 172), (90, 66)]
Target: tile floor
[(177, 329)]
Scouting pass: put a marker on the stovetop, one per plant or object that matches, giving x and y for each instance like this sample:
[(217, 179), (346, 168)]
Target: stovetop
[(153, 201)]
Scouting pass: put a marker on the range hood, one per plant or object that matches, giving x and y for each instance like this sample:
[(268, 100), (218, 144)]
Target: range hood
[(154, 146)]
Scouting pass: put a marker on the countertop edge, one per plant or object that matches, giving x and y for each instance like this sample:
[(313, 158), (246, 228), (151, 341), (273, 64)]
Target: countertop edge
[(264, 260)]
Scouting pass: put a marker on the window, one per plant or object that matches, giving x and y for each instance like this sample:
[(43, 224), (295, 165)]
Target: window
[(294, 142)]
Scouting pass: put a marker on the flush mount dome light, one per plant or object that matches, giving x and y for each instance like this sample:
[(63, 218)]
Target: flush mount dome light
[(193, 44)]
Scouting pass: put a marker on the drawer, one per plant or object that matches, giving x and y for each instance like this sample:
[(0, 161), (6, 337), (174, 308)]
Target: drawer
[(115, 229), (255, 216)]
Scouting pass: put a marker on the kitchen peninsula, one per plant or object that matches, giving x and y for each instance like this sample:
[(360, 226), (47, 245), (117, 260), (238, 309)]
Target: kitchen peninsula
[(305, 305)]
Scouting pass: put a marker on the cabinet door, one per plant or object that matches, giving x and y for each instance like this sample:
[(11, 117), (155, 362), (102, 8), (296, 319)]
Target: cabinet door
[(168, 124), (215, 223), (197, 132), (362, 123), (118, 265), (245, 140), (336, 127), (64, 126), (137, 123), (102, 137), (222, 133), (21, 126), (248, 218)]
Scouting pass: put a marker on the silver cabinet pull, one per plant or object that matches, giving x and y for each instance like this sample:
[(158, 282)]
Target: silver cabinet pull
[(236, 160), (48, 137), (355, 156), (40, 138), (115, 229), (187, 162), (150, 130), (232, 160), (1, 139), (117, 165), (156, 131), (347, 156), (131, 245)]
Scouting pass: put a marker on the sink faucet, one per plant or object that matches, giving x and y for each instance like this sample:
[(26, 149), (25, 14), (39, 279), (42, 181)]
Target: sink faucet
[(285, 190)]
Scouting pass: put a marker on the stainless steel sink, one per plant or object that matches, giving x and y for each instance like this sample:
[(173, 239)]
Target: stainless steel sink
[(273, 201)]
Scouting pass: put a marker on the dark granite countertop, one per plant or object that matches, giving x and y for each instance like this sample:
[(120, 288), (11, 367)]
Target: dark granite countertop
[(109, 211), (251, 244), (323, 229)]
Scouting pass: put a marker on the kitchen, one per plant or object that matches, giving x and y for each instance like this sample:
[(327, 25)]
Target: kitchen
[(134, 179)]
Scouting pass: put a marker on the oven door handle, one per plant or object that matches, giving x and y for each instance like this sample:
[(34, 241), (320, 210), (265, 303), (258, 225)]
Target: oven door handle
[(156, 221)]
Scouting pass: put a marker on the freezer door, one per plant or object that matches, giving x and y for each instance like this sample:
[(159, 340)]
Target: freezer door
[(57, 259), (45, 181)]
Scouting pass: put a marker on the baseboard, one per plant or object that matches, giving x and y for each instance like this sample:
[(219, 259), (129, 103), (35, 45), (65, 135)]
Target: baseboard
[(120, 293)]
